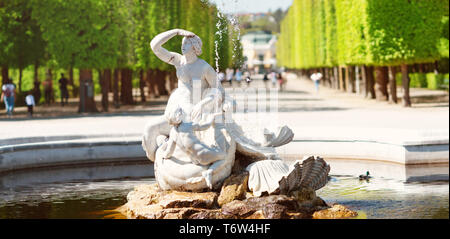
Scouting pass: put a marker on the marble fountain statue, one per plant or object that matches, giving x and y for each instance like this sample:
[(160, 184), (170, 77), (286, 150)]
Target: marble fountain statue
[(198, 149)]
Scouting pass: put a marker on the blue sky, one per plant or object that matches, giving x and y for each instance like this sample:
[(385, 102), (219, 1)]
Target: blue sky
[(251, 6)]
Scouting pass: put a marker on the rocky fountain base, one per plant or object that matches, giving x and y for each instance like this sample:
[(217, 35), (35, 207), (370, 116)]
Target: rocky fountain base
[(233, 201)]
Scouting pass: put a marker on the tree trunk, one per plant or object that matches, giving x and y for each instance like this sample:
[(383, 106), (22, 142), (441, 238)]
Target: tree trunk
[(126, 87), (151, 83), (364, 81), (161, 82), (20, 79), (105, 80), (382, 80), (49, 78), (36, 84), (116, 88), (347, 79), (350, 79), (71, 82), (357, 80), (341, 79), (335, 81), (415, 68), (70, 76), (326, 77), (142, 85), (5, 75), (405, 84), (370, 81), (87, 101), (111, 82), (436, 67), (393, 84), (422, 68)]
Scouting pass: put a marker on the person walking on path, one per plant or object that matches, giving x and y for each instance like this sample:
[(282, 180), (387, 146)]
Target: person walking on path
[(8, 96), (280, 81), (48, 90), (316, 77), (221, 77), (265, 79), (238, 77), (29, 100), (63, 88), (274, 79), (230, 73), (248, 78)]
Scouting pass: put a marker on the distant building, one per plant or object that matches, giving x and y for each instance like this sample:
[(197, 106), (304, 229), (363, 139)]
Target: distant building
[(259, 49), (253, 16)]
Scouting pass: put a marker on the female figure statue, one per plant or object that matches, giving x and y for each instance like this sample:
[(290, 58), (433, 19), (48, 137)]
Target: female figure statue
[(188, 68)]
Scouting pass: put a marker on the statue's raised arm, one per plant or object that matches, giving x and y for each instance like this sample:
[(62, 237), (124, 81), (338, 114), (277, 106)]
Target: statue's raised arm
[(156, 44)]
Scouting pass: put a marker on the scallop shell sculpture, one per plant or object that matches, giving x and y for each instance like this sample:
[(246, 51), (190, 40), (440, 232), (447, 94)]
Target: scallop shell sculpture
[(312, 174), (265, 175), (275, 176)]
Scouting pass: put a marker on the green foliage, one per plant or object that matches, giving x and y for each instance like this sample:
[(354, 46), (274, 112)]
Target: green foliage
[(21, 42), (418, 80), (434, 81), (156, 16), (444, 41), (103, 34), (351, 32), (330, 33), (403, 31), (288, 42), (326, 33), (431, 81), (222, 42), (83, 34), (145, 13), (446, 82), (236, 51)]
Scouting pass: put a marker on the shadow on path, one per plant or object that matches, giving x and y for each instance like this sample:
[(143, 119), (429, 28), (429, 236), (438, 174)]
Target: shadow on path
[(86, 115), (286, 109)]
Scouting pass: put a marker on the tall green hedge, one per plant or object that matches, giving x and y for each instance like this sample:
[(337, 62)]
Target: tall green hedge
[(402, 31), (331, 47), (444, 41), (325, 33)]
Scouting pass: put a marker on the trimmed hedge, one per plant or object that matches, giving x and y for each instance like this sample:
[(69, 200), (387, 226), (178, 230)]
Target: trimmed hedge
[(430, 80), (327, 33), (434, 81)]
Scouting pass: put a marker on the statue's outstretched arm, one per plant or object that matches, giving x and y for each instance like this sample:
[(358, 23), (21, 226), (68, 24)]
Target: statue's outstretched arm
[(172, 58)]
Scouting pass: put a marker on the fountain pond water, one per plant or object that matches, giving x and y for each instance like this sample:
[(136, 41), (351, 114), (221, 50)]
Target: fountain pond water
[(377, 198)]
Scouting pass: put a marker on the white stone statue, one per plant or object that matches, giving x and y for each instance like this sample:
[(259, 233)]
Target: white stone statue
[(182, 136), (194, 144)]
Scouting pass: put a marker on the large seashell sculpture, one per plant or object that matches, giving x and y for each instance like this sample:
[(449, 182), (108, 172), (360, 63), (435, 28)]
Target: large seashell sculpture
[(275, 176), (311, 174), (265, 175)]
